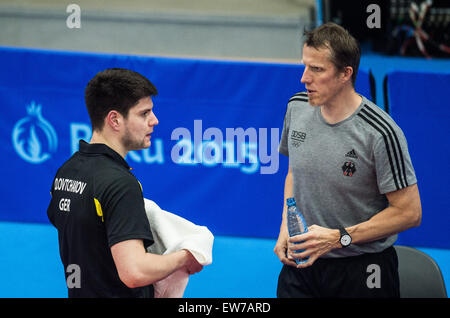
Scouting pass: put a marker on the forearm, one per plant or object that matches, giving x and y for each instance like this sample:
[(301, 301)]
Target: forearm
[(138, 268), (151, 268), (288, 193), (389, 221), (282, 242), (404, 212)]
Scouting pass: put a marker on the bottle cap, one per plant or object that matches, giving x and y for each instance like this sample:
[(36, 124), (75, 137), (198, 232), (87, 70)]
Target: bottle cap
[(290, 201)]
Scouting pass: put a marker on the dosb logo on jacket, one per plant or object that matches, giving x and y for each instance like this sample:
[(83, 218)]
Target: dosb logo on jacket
[(33, 138)]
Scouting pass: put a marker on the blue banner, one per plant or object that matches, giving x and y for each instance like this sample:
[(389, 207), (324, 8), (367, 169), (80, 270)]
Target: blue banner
[(418, 103), (214, 156)]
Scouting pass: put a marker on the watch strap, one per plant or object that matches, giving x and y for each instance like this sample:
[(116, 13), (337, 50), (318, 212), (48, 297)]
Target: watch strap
[(343, 231)]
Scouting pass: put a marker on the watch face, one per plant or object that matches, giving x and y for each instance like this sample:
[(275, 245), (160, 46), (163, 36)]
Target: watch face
[(346, 240)]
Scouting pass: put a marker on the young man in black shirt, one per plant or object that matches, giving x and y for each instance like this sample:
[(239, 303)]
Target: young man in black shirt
[(97, 204)]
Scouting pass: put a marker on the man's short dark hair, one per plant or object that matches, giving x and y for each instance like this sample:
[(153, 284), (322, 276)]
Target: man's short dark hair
[(115, 89), (344, 48)]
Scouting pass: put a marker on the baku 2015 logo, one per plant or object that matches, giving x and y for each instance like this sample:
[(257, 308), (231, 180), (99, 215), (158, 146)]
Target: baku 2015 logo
[(33, 137)]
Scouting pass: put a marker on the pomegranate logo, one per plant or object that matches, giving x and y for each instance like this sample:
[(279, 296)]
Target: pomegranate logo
[(33, 137)]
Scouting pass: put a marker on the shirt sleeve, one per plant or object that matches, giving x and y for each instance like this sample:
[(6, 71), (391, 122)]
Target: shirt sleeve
[(124, 212), (392, 162)]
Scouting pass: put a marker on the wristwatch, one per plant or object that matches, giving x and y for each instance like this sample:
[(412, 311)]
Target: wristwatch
[(345, 239)]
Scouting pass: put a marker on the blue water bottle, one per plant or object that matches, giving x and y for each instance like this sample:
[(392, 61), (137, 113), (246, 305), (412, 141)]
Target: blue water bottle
[(296, 224)]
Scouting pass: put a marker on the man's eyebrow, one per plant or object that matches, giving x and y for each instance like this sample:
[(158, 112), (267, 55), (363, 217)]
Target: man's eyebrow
[(314, 65), (146, 109)]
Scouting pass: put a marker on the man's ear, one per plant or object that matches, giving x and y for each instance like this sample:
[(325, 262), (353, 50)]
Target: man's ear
[(114, 120), (347, 74)]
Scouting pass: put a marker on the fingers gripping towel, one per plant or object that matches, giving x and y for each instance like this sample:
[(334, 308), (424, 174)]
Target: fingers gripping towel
[(172, 233)]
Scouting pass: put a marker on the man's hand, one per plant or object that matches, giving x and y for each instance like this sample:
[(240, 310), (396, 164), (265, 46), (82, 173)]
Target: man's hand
[(281, 248), (316, 242), (192, 266)]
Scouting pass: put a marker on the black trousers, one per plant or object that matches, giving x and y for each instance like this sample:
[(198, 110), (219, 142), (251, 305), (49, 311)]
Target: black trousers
[(372, 275)]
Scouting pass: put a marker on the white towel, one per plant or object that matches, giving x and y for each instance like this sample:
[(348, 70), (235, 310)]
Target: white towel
[(172, 233)]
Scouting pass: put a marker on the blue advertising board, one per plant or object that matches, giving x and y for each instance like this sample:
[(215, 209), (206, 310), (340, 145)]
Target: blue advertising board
[(214, 156), (418, 103)]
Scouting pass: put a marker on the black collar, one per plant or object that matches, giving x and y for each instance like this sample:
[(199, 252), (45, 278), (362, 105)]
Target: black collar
[(104, 150)]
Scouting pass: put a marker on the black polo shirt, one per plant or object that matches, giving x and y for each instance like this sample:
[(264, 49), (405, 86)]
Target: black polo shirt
[(96, 203)]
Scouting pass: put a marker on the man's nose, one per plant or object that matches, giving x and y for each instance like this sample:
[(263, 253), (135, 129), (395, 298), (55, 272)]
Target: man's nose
[(305, 77), (153, 121)]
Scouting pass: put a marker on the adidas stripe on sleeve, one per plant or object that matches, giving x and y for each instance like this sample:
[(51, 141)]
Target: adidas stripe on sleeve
[(393, 163)]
